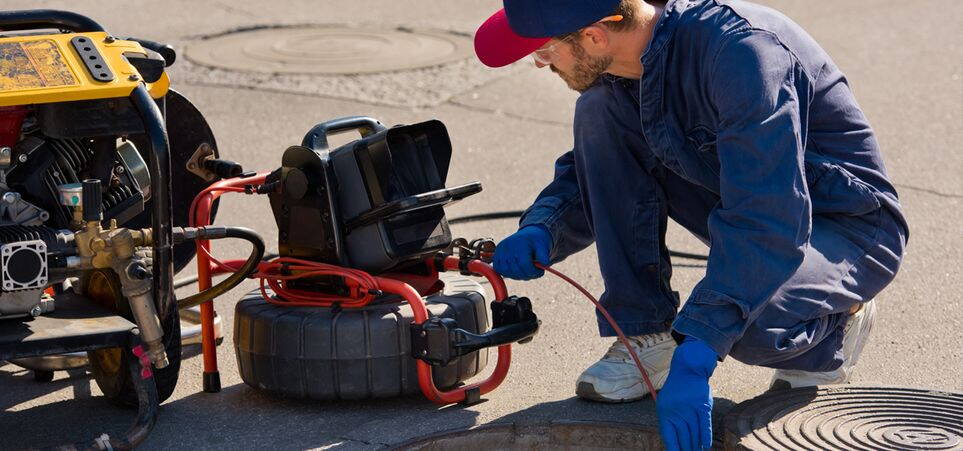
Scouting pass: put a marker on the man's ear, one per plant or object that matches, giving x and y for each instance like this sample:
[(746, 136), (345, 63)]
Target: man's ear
[(594, 39)]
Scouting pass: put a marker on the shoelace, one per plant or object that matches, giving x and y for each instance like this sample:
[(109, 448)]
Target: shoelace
[(618, 350)]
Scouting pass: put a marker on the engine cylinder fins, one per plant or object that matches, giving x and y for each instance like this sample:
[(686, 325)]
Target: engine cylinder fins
[(121, 199), (848, 417), (15, 233)]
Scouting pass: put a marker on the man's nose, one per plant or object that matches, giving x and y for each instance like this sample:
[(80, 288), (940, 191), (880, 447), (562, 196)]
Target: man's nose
[(538, 64)]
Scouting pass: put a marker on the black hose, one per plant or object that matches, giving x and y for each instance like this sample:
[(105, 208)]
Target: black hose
[(222, 287), (487, 216), (181, 283), (518, 214), (147, 406)]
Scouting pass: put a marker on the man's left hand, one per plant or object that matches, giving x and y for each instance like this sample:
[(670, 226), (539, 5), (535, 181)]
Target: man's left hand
[(685, 401)]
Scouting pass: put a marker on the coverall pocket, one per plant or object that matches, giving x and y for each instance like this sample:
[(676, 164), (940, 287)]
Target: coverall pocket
[(702, 139), (834, 190), (714, 310)]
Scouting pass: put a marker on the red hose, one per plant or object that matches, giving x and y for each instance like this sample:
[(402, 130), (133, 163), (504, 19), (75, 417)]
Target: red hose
[(362, 286), (618, 330)]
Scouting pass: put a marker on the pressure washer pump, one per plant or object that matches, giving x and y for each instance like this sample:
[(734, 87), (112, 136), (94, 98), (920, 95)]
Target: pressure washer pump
[(356, 306)]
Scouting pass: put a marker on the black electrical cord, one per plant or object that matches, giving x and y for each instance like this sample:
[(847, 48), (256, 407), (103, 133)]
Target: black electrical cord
[(518, 214), (181, 283), (222, 287)]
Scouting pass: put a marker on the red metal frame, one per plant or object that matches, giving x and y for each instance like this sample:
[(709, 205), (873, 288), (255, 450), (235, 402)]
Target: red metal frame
[(425, 381), (207, 267), (201, 216)]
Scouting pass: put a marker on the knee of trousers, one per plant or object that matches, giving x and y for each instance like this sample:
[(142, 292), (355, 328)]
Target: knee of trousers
[(806, 345)]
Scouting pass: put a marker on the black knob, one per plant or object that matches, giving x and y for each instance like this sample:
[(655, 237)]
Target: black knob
[(92, 200)]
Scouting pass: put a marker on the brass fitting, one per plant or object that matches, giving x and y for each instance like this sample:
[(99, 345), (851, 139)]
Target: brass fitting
[(103, 247), (114, 248)]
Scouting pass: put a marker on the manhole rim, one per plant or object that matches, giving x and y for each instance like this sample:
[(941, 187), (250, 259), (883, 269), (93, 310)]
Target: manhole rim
[(194, 40), (740, 416), (515, 426)]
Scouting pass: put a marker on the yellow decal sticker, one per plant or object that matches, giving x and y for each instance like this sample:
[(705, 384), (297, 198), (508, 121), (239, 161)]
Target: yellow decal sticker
[(33, 64)]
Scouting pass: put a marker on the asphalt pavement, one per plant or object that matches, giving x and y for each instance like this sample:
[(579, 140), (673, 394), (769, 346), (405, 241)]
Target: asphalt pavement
[(904, 61)]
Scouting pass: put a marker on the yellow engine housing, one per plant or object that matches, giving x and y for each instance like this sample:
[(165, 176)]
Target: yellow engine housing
[(47, 69)]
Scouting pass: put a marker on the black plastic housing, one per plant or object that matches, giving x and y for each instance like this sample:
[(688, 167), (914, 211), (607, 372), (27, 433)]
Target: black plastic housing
[(371, 204)]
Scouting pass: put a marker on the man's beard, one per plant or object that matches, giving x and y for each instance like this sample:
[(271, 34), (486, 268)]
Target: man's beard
[(587, 69)]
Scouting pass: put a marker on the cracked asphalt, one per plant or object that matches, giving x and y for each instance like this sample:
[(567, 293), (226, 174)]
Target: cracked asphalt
[(903, 59)]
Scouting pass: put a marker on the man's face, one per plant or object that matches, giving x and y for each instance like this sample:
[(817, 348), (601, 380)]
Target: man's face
[(572, 63)]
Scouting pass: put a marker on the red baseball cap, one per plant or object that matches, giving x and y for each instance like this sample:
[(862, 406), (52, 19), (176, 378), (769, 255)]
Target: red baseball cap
[(497, 45), (525, 25)]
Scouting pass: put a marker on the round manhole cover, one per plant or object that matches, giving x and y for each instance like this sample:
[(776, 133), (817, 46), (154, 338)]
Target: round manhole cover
[(574, 435), (848, 418), (329, 50)]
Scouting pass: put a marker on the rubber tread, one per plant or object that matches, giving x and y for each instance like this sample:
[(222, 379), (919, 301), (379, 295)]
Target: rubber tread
[(328, 354)]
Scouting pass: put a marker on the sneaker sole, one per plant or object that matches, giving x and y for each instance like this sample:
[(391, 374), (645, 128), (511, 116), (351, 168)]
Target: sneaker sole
[(586, 390)]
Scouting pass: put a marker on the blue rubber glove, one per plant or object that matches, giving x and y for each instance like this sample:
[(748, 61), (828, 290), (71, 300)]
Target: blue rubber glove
[(685, 401), (514, 255)]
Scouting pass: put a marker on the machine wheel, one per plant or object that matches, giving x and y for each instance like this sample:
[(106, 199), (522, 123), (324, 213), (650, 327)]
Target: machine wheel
[(329, 353), (43, 375), (109, 366), (186, 131)]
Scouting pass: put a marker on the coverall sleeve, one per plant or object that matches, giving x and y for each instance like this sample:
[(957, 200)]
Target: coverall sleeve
[(761, 226), (559, 209)]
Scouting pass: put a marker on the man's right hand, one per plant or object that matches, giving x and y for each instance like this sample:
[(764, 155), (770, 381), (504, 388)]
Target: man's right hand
[(515, 255)]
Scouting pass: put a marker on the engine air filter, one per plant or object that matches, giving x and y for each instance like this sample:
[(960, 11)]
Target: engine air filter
[(848, 417)]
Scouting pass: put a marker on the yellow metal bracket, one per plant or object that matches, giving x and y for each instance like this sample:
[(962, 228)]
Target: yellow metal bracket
[(47, 69)]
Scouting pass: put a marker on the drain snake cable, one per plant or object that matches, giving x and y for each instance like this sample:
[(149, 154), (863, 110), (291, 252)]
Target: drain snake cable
[(615, 326)]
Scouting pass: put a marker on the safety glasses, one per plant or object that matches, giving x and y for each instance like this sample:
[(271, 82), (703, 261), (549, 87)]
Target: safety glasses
[(545, 56)]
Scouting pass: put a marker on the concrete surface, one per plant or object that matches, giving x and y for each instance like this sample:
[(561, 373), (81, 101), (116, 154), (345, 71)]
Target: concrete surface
[(904, 60)]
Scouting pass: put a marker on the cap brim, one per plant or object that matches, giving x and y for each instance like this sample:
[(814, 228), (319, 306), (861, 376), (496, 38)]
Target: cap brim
[(497, 45)]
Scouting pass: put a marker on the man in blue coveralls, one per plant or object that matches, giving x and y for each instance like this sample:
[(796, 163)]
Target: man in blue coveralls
[(727, 117)]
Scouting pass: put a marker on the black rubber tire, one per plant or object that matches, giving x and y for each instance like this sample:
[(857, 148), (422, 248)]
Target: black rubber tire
[(186, 130), (327, 354), (117, 385), (43, 375)]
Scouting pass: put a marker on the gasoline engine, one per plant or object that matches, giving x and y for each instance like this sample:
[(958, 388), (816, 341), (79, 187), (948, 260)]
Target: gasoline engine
[(58, 181), (99, 161)]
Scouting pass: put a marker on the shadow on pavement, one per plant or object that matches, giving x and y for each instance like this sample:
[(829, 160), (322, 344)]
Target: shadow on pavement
[(575, 410), (242, 417), (43, 426)]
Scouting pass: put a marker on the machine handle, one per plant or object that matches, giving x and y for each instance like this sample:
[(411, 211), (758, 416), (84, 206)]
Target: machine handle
[(408, 204), (165, 50), (438, 341), (33, 19), (317, 137)]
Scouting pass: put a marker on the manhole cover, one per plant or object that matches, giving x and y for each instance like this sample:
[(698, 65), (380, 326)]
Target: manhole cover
[(329, 50), (573, 436), (848, 418)]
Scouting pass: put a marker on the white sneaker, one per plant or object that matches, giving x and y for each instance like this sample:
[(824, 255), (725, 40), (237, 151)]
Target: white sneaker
[(615, 378), (855, 336)]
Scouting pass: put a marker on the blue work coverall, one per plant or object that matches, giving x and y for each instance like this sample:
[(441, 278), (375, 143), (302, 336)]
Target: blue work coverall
[(743, 131)]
